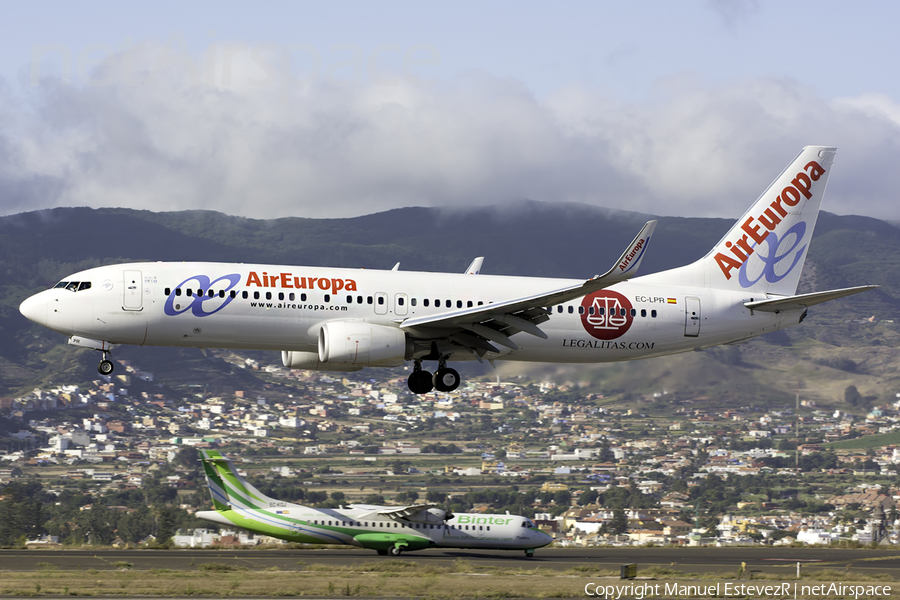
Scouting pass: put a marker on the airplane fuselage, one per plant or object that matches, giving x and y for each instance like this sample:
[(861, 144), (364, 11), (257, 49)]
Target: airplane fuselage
[(274, 307)]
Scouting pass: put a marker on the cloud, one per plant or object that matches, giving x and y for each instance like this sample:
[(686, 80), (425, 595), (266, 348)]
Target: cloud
[(162, 135)]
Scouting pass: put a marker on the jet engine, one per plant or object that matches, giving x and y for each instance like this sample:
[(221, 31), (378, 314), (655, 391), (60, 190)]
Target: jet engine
[(310, 361), (362, 344)]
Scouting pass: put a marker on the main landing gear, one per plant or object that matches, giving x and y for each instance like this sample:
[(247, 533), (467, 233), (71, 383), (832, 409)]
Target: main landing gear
[(444, 379)]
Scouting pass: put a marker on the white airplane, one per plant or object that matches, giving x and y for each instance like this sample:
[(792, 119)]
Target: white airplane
[(345, 319), (387, 529)]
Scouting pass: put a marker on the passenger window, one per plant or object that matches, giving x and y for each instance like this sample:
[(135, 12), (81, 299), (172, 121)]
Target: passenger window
[(469, 304), (221, 293), (268, 295), (591, 311), (449, 304), (400, 301), (210, 293), (349, 299), (633, 312), (292, 296), (580, 310), (412, 301), (177, 291), (643, 312), (281, 295), (168, 291), (425, 302), (303, 297), (480, 303), (571, 309), (359, 300), (199, 292), (256, 295), (369, 300), (602, 310), (380, 300), (621, 312), (245, 294), (653, 313), (459, 304), (327, 297), (189, 292), (233, 294)]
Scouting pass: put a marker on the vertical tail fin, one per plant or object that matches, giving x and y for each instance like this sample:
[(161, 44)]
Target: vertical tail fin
[(226, 486), (764, 251)]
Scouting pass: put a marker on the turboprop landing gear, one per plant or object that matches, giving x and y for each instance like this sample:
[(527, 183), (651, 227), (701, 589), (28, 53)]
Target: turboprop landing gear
[(419, 381), (395, 551), (529, 554), (445, 379)]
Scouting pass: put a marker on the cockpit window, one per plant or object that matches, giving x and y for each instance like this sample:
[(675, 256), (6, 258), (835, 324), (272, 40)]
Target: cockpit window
[(73, 286)]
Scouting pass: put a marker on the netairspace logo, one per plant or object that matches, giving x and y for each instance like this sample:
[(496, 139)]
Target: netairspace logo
[(639, 591)]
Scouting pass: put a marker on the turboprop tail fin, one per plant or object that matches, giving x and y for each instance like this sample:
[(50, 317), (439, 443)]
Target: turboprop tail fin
[(226, 486), (764, 251)]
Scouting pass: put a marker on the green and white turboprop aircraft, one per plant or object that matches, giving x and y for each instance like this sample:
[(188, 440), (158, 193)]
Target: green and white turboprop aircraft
[(387, 529)]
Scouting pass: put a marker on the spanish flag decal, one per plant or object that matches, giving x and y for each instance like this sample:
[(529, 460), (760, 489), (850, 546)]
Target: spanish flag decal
[(671, 301)]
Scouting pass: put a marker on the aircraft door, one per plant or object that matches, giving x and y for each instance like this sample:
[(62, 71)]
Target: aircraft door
[(132, 299), (381, 303), (401, 302), (691, 316)]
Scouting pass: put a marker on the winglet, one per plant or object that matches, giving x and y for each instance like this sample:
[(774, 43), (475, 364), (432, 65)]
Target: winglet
[(475, 267), (628, 264)]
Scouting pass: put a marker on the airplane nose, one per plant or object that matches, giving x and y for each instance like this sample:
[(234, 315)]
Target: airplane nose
[(35, 309)]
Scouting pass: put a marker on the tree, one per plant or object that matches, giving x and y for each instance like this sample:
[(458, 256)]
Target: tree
[(618, 525), (852, 396)]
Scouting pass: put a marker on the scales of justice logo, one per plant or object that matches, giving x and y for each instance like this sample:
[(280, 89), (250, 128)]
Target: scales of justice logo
[(606, 314)]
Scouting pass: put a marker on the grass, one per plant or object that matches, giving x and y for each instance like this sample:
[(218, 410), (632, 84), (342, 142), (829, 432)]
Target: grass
[(387, 578), (867, 441)]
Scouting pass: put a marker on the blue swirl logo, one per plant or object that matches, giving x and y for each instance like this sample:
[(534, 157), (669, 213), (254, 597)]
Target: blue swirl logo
[(195, 303), (774, 256)]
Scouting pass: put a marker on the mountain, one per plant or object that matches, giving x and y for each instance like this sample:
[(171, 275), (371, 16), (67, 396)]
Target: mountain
[(39, 248)]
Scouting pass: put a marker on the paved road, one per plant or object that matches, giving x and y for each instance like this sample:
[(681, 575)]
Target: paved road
[(686, 560)]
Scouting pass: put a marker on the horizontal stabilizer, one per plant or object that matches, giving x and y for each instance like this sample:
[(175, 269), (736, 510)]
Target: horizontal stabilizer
[(804, 300)]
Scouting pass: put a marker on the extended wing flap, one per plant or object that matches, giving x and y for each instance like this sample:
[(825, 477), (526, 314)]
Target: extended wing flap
[(804, 300)]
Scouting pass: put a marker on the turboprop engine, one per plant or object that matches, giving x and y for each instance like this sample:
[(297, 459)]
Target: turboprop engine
[(362, 344), (431, 515)]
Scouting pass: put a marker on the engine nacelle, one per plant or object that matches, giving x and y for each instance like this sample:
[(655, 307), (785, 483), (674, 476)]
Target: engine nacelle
[(358, 343), (310, 361)]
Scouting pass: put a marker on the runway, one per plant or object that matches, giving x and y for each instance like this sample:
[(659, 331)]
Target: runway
[(686, 560)]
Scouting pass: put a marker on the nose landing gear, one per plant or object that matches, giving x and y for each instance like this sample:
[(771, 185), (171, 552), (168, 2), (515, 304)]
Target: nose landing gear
[(106, 366)]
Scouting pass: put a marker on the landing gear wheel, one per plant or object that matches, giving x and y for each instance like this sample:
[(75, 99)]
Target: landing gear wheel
[(382, 552), (105, 367), (395, 551), (446, 379), (529, 554), (419, 382)]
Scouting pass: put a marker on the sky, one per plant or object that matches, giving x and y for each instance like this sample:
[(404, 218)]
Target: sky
[(313, 109)]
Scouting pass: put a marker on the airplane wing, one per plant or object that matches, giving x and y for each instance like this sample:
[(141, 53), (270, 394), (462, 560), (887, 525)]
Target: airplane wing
[(475, 328), (804, 300), (404, 512)]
